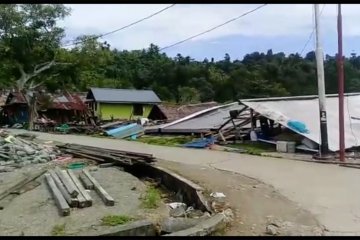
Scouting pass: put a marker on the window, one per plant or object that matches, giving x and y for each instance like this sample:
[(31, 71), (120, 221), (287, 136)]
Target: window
[(138, 110)]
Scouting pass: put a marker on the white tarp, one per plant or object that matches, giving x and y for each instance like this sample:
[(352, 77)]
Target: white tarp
[(306, 110)]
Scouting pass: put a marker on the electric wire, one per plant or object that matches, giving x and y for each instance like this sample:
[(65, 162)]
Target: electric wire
[(213, 28), (122, 28), (312, 32)]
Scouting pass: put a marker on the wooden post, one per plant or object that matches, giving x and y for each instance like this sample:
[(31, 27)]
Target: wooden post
[(59, 199), (70, 187), (73, 202), (108, 200), (82, 190), (80, 197), (86, 182)]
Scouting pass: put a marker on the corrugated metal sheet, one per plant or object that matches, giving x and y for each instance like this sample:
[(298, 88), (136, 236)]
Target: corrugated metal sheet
[(124, 95), (306, 110), (205, 120)]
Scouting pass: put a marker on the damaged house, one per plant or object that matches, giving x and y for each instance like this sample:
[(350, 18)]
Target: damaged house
[(59, 108), (300, 115)]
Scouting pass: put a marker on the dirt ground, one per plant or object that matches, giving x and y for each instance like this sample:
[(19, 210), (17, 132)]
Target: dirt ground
[(34, 213), (255, 204)]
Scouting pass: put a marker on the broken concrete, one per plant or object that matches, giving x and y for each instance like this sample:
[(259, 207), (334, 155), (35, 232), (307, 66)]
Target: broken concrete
[(204, 228)]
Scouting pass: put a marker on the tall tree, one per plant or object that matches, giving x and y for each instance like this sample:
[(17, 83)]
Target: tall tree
[(29, 41)]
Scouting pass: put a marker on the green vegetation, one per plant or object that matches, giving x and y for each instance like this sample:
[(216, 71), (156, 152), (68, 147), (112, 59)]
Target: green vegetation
[(58, 230), (114, 220), (152, 198), (255, 148), (32, 55), (165, 140)]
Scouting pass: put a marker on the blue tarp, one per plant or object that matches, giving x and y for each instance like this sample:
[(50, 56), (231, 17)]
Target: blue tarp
[(125, 131), (202, 143), (297, 126)]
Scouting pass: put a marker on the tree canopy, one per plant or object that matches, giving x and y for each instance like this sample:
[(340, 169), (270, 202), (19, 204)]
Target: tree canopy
[(30, 40)]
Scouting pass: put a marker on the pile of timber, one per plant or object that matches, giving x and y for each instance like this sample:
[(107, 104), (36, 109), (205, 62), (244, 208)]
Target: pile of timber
[(71, 192), (104, 155)]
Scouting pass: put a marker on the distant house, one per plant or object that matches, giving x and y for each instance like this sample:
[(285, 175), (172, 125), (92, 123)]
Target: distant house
[(108, 103), (61, 108)]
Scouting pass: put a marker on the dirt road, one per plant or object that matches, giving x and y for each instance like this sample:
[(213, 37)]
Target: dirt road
[(329, 192)]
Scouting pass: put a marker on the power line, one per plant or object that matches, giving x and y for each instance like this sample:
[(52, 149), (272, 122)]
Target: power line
[(124, 27), (311, 34), (211, 29)]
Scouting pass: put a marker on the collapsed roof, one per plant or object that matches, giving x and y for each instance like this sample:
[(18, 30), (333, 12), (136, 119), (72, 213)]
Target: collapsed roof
[(306, 110), (200, 122)]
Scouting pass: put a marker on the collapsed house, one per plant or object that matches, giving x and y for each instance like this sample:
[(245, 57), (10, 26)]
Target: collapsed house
[(111, 104), (207, 121), (301, 116), (168, 112), (59, 108)]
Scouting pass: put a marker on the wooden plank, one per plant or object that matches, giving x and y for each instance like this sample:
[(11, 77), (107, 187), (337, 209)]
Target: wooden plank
[(77, 146), (77, 153), (21, 183), (73, 202), (105, 165), (86, 182), (81, 188), (222, 136), (79, 197), (59, 199), (109, 201), (70, 187)]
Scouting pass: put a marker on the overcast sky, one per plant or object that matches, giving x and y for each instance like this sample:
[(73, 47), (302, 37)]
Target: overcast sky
[(281, 27)]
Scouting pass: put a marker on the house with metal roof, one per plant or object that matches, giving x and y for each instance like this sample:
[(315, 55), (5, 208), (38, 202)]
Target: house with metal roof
[(108, 103)]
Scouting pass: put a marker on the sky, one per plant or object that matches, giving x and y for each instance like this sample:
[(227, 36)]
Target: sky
[(280, 27)]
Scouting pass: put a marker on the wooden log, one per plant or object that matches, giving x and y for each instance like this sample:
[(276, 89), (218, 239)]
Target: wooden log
[(69, 185), (86, 195), (86, 182), (105, 165), (73, 202), (79, 197), (59, 199), (108, 200)]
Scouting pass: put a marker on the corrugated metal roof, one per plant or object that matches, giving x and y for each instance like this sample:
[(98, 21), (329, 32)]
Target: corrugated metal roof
[(124, 95), (176, 111), (306, 110), (205, 120)]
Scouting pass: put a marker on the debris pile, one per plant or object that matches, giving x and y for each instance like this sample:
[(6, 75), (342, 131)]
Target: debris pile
[(14, 149), (108, 155), (70, 191)]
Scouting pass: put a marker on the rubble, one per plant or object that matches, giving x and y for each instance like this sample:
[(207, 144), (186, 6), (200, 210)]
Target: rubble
[(17, 150)]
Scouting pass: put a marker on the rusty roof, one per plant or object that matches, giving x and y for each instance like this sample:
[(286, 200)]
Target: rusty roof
[(177, 111)]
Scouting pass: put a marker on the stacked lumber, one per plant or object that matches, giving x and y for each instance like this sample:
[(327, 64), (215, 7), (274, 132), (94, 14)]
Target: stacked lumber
[(70, 191), (108, 155)]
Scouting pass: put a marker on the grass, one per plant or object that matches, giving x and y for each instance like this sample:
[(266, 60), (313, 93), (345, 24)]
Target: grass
[(58, 230), (114, 220), (165, 140), (255, 148), (152, 198)]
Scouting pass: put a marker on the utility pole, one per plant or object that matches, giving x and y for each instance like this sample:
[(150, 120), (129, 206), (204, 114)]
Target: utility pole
[(324, 147), (341, 86)]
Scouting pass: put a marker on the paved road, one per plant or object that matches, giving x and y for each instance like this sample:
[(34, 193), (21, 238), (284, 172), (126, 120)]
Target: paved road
[(331, 193)]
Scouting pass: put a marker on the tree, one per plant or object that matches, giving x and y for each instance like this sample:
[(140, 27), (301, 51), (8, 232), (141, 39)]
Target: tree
[(29, 41)]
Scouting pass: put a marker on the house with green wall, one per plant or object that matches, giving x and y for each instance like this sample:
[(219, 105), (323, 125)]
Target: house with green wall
[(109, 103)]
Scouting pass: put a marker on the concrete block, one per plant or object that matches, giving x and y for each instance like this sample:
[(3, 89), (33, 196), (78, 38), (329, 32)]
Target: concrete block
[(204, 228)]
